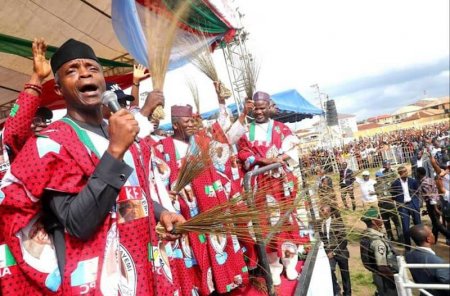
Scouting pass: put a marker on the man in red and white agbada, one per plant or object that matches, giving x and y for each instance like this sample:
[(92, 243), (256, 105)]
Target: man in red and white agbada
[(266, 142), (219, 258), (79, 219)]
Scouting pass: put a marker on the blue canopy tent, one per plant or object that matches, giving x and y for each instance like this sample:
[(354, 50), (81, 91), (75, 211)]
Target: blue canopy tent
[(291, 105)]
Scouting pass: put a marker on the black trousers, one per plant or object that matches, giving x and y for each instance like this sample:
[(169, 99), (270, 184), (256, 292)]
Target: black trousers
[(342, 262), (388, 212), (436, 224)]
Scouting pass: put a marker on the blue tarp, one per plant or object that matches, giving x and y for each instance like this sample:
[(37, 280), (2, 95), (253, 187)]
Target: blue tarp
[(292, 107)]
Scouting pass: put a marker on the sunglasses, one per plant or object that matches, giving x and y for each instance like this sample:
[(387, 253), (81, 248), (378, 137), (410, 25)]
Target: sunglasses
[(39, 121)]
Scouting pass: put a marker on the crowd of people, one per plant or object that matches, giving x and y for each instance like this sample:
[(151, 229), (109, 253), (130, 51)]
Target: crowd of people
[(392, 196), (399, 146), (81, 197)]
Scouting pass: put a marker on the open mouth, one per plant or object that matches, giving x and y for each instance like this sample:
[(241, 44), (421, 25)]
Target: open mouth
[(89, 90)]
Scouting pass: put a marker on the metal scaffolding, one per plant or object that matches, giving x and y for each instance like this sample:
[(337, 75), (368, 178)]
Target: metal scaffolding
[(327, 135), (237, 59)]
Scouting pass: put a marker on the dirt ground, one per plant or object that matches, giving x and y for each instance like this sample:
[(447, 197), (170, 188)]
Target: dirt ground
[(360, 277)]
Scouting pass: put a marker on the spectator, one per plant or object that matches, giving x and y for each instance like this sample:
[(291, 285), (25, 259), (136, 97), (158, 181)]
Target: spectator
[(368, 194), (327, 196), (404, 190), (421, 160), (423, 238), (442, 183), (386, 205), (346, 180), (428, 192), (333, 236)]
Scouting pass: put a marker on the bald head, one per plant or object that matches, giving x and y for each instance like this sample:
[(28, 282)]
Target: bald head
[(422, 235)]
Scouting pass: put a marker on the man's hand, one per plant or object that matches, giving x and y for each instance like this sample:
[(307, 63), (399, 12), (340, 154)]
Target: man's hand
[(173, 195), (139, 73), (41, 66), (217, 87), (267, 161), (122, 129), (154, 99), (168, 220), (249, 105), (330, 255)]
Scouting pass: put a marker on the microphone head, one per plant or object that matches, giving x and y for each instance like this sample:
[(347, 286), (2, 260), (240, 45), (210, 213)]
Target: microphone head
[(109, 96)]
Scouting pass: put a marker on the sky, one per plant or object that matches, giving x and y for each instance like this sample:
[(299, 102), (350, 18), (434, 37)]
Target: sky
[(371, 57)]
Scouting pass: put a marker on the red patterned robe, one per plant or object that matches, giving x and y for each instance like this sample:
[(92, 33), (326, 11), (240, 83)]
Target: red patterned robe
[(121, 258), (17, 127), (220, 259), (182, 261), (276, 188)]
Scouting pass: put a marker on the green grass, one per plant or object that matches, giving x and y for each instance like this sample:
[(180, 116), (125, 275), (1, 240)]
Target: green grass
[(362, 283)]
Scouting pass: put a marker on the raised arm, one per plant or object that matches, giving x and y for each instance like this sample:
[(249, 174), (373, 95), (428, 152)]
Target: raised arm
[(18, 125), (139, 74)]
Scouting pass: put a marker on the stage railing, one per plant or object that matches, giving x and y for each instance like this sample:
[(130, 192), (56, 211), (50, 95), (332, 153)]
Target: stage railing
[(405, 285)]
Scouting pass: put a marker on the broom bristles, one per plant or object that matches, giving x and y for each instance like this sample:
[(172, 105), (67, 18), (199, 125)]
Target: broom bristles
[(251, 73), (194, 92), (234, 216), (202, 58), (195, 162), (160, 37)]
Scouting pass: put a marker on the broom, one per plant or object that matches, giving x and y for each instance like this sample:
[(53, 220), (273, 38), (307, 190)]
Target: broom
[(234, 217), (194, 92), (160, 36), (251, 73), (203, 60), (196, 161), (195, 96)]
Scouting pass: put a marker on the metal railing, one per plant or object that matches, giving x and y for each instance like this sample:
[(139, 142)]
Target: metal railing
[(405, 285), (395, 155), (260, 244)]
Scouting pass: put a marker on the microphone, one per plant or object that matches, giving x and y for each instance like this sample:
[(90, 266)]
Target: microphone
[(109, 99)]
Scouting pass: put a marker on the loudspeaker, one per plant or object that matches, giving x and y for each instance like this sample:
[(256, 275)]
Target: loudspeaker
[(331, 113)]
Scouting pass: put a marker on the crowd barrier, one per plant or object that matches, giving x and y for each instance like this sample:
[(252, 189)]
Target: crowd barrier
[(405, 285), (395, 155)]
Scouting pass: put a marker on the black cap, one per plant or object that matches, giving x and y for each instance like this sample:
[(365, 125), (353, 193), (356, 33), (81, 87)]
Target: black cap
[(71, 50), (44, 113), (121, 96)]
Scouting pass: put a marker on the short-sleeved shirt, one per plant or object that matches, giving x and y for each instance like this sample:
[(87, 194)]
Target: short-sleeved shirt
[(380, 248)]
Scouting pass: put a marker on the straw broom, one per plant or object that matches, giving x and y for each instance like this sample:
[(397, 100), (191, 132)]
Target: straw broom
[(203, 60), (196, 161), (160, 37), (251, 73), (234, 217), (194, 92)]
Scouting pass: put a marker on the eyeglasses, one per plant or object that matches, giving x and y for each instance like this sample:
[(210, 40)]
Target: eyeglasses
[(39, 121)]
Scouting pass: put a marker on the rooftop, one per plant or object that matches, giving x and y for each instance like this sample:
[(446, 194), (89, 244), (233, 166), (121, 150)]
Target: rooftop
[(366, 126)]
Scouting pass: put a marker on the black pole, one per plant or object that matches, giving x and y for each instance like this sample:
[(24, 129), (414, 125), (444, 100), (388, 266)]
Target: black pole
[(260, 246)]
